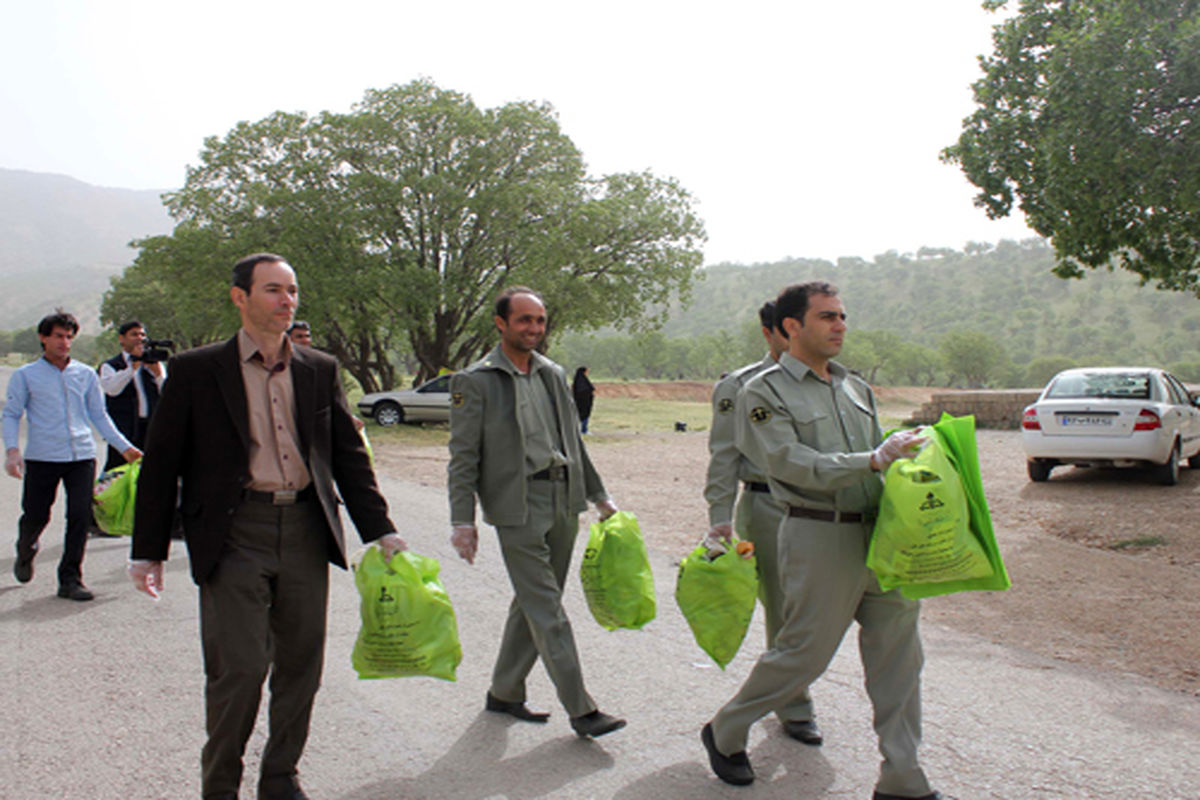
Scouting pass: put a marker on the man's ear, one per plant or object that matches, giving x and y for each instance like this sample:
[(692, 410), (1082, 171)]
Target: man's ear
[(238, 295), (791, 326)]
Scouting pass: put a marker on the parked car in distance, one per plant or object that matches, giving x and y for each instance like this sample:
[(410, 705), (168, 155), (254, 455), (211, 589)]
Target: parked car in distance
[(429, 402), (1113, 417)]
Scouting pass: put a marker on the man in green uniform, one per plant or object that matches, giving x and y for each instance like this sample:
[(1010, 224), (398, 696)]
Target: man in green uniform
[(515, 443), (813, 426), (758, 514)]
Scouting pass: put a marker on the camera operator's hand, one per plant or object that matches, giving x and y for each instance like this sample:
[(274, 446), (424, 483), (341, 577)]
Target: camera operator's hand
[(13, 463), (132, 454), (155, 368)]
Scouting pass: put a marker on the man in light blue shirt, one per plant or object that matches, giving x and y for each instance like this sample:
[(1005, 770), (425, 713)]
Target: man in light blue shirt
[(59, 398)]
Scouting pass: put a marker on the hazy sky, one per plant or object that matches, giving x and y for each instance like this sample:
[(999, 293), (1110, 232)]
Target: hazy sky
[(808, 129)]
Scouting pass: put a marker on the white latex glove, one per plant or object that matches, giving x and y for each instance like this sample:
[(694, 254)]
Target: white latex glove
[(606, 508), (13, 463), (465, 540), (901, 444), (147, 576), (390, 544)]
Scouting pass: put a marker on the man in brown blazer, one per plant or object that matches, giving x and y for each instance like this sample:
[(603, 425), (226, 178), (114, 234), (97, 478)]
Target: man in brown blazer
[(260, 433)]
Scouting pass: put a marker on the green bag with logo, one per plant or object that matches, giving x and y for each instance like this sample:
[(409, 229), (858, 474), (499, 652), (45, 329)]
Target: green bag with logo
[(716, 596), (113, 499), (934, 532), (616, 574), (408, 624)]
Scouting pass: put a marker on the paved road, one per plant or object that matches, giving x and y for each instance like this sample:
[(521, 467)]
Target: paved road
[(103, 700)]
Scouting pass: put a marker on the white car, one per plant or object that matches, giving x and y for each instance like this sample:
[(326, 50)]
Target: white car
[(1113, 417), (429, 402)]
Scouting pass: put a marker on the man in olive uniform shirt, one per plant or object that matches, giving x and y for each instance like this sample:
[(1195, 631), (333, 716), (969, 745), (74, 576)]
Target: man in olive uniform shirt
[(515, 442), (813, 426), (757, 515)]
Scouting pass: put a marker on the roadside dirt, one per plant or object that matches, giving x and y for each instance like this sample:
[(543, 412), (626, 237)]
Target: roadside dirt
[(1105, 565)]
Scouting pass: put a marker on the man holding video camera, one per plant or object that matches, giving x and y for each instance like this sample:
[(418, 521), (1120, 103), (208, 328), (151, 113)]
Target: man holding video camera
[(131, 381)]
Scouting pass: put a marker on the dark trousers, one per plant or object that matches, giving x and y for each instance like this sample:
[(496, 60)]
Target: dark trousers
[(37, 498), (263, 611)]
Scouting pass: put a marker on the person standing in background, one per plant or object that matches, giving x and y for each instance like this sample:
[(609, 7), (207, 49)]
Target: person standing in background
[(585, 395), (131, 387)]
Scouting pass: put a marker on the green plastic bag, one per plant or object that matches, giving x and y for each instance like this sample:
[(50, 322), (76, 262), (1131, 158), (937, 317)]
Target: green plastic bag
[(717, 599), (616, 574), (956, 437), (113, 499), (408, 624)]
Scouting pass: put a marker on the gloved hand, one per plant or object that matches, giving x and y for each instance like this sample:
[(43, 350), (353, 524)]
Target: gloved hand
[(465, 540), (390, 544), (606, 508), (901, 444), (147, 576)]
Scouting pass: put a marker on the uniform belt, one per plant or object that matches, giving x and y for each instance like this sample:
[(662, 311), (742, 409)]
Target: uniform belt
[(829, 515), (558, 473), (755, 486), (283, 497)]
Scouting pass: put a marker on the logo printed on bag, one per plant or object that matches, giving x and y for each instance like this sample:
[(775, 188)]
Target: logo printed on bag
[(760, 414), (725, 406), (931, 502), (384, 597)]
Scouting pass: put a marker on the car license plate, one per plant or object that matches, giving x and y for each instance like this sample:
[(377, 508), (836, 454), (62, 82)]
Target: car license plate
[(1085, 421)]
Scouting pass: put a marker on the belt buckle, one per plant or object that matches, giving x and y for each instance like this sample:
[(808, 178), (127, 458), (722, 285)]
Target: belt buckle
[(284, 497)]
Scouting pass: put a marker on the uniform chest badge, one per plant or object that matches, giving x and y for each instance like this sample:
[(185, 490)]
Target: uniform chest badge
[(457, 400), (760, 414), (725, 405)]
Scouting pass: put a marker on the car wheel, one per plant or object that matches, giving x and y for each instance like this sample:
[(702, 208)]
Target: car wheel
[(1168, 473), (1039, 471), (388, 413)]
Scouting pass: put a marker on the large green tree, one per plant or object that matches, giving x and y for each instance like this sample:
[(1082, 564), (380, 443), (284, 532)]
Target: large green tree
[(406, 215), (1088, 119)]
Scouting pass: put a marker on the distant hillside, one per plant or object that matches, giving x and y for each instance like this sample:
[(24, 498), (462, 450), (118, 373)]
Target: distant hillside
[(61, 240)]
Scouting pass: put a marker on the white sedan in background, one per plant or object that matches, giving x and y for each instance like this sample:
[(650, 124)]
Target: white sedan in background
[(1113, 417), (429, 402)]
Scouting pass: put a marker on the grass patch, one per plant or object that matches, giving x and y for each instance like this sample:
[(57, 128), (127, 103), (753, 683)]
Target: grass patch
[(1140, 541), (428, 434), (633, 415)]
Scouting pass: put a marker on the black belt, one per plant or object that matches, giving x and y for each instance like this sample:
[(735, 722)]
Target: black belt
[(755, 486), (829, 515), (283, 497), (558, 473)]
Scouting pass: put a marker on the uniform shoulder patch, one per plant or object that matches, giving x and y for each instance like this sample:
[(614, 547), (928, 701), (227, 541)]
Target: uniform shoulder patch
[(725, 405), (760, 414), (457, 400)]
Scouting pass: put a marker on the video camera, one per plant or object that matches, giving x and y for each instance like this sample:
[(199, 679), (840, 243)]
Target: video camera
[(155, 350)]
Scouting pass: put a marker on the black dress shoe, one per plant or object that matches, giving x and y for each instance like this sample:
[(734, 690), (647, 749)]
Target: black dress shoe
[(596, 724), (75, 591), (734, 769), (930, 796), (518, 710), (23, 569), (804, 731)]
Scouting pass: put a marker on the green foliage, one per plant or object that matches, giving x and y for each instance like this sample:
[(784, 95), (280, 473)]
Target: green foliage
[(26, 341), (1087, 114), (973, 356), (1041, 370), (1188, 371), (405, 216)]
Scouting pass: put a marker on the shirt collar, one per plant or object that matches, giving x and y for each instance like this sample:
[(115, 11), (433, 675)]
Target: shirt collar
[(247, 349), (799, 370), (536, 362)]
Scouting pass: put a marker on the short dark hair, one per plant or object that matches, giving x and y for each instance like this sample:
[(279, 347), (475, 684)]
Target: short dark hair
[(299, 325), (126, 327), (504, 299), (766, 314), (243, 270), (793, 300), (59, 319)]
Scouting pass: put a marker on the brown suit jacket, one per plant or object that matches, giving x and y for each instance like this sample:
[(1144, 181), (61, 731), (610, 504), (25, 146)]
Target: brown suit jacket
[(200, 432)]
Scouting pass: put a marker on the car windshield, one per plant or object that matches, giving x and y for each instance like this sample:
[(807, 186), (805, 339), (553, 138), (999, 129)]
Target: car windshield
[(1132, 385)]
